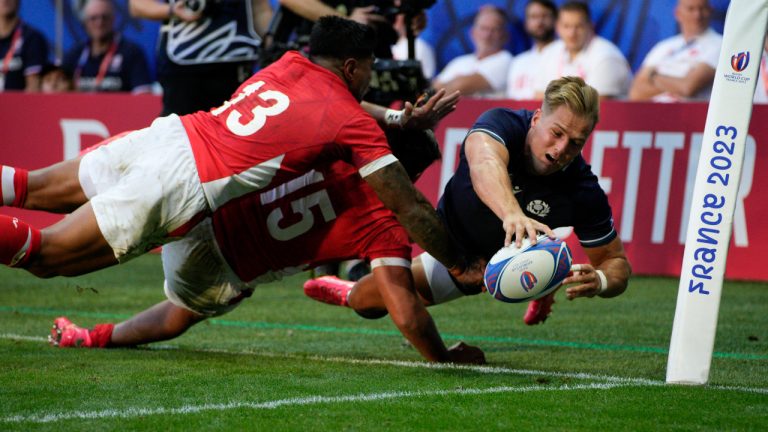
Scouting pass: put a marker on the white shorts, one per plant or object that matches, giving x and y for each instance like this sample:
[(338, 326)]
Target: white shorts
[(443, 288), (197, 277), (143, 186)]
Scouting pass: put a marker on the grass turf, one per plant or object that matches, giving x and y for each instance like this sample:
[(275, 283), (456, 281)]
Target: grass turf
[(284, 362)]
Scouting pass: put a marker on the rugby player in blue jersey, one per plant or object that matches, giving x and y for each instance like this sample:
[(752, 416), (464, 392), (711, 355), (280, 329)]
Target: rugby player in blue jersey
[(520, 172)]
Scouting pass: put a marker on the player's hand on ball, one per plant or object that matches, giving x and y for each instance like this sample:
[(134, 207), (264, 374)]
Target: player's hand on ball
[(585, 281), (519, 226), (466, 354)]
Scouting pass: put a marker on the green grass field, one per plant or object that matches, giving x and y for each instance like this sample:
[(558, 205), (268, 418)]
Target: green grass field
[(284, 362)]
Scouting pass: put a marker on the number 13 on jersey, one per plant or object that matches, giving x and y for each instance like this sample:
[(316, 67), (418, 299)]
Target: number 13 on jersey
[(259, 112)]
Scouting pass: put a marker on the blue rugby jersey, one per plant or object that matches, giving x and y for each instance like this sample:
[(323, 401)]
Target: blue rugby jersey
[(570, 197)]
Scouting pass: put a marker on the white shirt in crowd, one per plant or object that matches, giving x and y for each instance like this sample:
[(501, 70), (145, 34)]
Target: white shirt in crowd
[(601, 64), (523, 73), (761, 90), (423, 52), (675, 57), (493, 68)]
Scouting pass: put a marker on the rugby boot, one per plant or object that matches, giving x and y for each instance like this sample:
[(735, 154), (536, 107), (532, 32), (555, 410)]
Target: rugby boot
[(538, 310), (64, 334), (329, 289)]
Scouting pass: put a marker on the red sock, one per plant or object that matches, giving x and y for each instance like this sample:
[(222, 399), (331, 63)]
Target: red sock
[(13, 186), (19, 242), (101, 335)]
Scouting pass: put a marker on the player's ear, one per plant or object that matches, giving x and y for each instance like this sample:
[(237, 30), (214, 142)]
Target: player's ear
[(349, 67), (536, 117)]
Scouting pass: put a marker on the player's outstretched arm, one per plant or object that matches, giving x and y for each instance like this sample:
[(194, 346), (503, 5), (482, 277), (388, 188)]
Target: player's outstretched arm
[(424, 115), (488, 160), (607, 275), (414, 212), (414, 322)]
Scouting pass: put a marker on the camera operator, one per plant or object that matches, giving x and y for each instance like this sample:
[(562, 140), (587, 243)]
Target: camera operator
[(392, 80), (312, 10), (207, 48)]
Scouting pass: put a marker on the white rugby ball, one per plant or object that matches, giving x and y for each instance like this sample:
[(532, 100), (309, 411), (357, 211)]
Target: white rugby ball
[(515, 275)]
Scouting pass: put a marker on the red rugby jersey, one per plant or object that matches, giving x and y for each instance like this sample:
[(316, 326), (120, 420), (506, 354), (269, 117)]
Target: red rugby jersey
[(284, 120), (327, 214)]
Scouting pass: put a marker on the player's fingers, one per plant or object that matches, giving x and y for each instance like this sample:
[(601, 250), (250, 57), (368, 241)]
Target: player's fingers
[(532, 234), (577, 268), (543, 228), (519, 234), (434, 100), (408, 110), (578, 291), (549, 232), (452, 98), (508, 238)]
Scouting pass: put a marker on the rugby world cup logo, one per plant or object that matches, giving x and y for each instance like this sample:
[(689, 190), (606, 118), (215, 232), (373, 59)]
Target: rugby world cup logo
[(528, 280), (740, 61)]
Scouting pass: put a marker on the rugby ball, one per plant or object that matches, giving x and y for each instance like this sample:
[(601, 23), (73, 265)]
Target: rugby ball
[(515, 275)]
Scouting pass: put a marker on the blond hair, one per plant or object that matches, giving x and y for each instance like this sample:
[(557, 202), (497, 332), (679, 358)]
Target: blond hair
[(581, 98)]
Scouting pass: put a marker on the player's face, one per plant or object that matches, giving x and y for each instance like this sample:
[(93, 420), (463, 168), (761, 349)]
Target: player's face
[(489, 33), (360, 77), (539, 22), (574, 29), (555, 139), (693, 16), (99, 19)]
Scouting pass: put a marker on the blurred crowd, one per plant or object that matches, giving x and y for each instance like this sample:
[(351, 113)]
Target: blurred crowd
[(563, 42)]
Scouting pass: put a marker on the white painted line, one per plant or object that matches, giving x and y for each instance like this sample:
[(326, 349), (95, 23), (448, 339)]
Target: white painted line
[(292, 402), (398, 363), (422, 365)]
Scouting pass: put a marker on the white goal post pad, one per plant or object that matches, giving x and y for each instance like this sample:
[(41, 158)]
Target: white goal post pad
[(714, 195)]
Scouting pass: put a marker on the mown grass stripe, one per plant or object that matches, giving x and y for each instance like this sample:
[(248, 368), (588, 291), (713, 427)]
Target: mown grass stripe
[(417, 364), (363, 331), (289, 402)]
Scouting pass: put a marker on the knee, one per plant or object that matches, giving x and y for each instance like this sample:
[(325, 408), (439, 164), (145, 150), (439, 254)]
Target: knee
[(372, 313)]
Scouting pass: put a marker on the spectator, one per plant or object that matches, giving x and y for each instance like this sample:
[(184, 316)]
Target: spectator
[(54, 79), (761, 91), (540, 16), (423, 51), (23, 50), (483, 72), (106, 62), (312, 10), (580, 52), (196, 69), (681, 67)]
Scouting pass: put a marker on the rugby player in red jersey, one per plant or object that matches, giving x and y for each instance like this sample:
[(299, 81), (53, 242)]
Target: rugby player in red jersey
[(326, 215), (156, 185)]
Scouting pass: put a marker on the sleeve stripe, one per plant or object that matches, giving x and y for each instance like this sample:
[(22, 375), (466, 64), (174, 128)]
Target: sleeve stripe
[(486, 131), (390, 261), (376, 165), (600, 240)]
